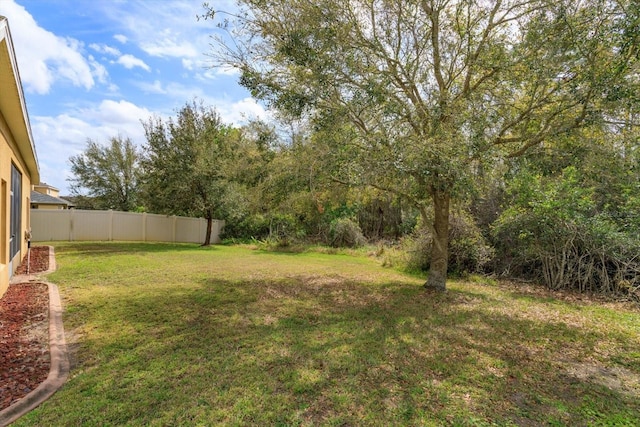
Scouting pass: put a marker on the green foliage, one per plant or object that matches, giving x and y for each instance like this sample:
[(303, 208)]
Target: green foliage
[(417, 251), (469, 252), (414, 98), (554, 232), (254, 226), (188, 162), (345, 233), (380, 215), (285, 229), (107, 176)]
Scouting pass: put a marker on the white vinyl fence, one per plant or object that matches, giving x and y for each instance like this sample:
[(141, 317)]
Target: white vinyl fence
[(76, 225)]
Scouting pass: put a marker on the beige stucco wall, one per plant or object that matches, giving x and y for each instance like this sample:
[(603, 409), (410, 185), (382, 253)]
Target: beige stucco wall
[(17, 148), (9, 154), (46, 189), (50, 207)]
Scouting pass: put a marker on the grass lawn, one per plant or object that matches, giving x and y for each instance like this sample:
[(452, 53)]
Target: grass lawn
[(166, 334)]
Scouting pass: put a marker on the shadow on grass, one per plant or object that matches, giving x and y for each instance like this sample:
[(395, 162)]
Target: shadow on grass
[(101, 249), (322, 351)]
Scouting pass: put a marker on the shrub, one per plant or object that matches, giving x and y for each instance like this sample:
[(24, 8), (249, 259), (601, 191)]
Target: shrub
[(554, 233), (417, 250), (249, 227), (469, 251), (345, 233)]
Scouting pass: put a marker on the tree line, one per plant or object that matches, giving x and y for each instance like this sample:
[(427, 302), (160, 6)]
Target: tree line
[(485, 136)]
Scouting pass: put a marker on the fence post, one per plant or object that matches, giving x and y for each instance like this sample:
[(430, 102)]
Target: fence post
[(173, 234), (71, 221), (144, 226), (110, 225)]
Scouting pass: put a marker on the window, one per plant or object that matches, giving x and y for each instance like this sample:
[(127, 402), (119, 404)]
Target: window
[(16, 211)]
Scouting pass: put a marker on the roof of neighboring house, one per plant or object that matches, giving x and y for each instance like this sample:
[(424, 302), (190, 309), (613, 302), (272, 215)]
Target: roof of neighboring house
[(12, 103), (45, 199)]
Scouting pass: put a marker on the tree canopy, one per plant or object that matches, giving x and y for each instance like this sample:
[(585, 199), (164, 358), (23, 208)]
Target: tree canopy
[(422, 94), (186, 163), (108, 174)]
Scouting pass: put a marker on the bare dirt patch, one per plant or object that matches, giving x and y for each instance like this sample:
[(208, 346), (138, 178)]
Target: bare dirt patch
[(614, 378)]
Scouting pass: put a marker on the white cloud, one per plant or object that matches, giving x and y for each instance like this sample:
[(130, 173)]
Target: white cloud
[(242, 111), (174, 91), (43, 57), (69, 131), (65, 135), (188, 64), (169, 46), (121, 38), (155, 87), (59, 137), (170, 31), (130, 61), (103, 48), (226, 70), (99, 71), (236, 112), (121, 114), (210, 73)]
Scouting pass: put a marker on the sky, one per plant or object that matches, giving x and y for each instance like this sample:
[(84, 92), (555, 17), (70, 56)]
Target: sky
[(96, 69)]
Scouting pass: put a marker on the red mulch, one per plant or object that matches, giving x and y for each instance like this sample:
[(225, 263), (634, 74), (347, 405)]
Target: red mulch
[(24, 335), (36, 262)]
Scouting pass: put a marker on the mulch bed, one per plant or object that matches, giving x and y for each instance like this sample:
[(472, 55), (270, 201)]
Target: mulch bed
[(24, 334), (36, 262)]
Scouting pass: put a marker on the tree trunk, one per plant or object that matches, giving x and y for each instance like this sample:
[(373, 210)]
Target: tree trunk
[(440, 248), (207, 237)]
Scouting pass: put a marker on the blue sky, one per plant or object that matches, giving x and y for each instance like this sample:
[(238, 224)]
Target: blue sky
[(96, 68)]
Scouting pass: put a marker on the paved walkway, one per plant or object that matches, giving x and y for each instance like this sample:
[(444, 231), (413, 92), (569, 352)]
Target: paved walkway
[(59, 370)]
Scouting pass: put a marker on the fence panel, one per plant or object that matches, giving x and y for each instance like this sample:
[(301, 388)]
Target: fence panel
[(160, 228), (47, 225), (188, 229), (127, 226), (90, 225), (76, 225)]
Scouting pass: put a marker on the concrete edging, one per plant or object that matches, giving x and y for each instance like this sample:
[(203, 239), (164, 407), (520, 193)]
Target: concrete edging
[(59, 370)]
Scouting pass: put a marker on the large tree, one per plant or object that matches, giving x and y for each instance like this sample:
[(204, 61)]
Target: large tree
[(420, 92), (107, 175), (187, 163)]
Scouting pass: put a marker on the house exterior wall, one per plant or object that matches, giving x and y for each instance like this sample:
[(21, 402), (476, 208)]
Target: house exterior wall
[(49, 207), (9, 155), (46, 189), (17, 152)]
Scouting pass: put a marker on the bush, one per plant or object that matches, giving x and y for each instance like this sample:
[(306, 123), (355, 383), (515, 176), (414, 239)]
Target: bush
[(469, 251), (345, 233), (282, 228), (249, 227), (417, 250), (285, 226), (553, 233)]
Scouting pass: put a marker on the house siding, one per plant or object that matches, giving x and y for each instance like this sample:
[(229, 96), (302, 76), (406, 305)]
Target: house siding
[(16, 151), (9, 156)]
